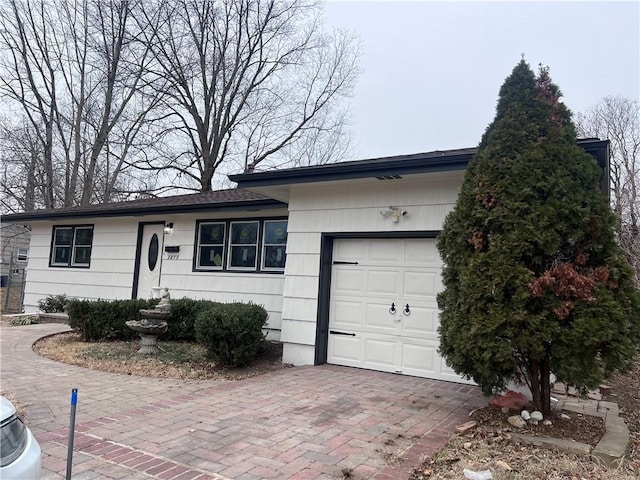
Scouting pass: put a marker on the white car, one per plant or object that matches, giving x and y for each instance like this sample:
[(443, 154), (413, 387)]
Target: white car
[(20, 452)]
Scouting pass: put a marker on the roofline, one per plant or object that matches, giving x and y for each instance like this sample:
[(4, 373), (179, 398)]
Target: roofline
[(436, 161), (244, 205), (428, 162)]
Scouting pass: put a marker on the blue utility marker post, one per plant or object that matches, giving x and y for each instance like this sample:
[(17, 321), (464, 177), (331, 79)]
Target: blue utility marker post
[(72, 426)]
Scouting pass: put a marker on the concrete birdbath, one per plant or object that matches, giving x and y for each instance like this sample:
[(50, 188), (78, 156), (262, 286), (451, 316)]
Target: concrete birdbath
[(152, 325)]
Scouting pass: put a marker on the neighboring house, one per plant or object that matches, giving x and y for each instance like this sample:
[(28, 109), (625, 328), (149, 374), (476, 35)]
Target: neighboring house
[(362, 271), (14, 254)]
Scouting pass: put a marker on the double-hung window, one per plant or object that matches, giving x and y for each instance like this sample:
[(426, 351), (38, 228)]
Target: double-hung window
[(71, 246), (274, 245), (210, 254), (243, 246)]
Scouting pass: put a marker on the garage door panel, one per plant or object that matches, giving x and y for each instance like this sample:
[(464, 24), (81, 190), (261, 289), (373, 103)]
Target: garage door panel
[(419, 359), (377, 318), (347, 313), (380, 353), (345, 350), (384, 251), (422, 323), (384, 282), (421, 252), (348, 250), (422, 285), (351, 281)]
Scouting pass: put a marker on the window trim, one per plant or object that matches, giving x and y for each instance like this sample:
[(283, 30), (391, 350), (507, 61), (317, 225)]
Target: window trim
[(72, 253), (226, 264)]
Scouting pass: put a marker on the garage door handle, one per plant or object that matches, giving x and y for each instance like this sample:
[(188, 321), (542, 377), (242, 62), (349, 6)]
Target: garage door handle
[(335, 332), (337, 262)]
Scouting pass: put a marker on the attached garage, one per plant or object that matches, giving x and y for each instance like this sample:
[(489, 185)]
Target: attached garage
[(362, 268), (383, 313)]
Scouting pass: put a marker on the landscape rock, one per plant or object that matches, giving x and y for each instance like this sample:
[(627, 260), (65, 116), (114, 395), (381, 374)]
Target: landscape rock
[(466, 426), (533, 421), (547, 423), (536, 415), (516, 421), (604, 389), (504, 465), (564, 416), (525, 414)]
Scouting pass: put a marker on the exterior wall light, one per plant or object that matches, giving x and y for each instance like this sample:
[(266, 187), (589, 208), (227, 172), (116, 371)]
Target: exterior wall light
[(394, 212), (168, 228)]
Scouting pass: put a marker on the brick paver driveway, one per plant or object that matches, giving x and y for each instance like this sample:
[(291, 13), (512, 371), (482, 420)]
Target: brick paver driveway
[(297, 423)]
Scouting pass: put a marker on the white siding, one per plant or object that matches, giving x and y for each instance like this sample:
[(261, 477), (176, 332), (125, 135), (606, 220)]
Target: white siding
[(348, 206), (110, 275)]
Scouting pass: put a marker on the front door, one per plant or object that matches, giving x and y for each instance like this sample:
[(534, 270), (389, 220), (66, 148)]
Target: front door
[(149, 259)]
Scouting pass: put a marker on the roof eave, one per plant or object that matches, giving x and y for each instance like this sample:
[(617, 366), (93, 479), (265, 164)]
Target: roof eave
[(246, 205), (351, 171), (439, 161)]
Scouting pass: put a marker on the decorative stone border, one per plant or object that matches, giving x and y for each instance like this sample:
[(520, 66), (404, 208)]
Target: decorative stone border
[(611, 447)]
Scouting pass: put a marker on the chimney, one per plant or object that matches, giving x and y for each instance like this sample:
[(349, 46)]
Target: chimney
[(250, 168)]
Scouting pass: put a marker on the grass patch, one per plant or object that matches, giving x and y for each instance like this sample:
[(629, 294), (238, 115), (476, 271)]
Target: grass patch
[(175, 359)]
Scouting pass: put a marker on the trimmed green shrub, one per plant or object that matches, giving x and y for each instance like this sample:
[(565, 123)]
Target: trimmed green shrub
[(231, 332), (105, 319), (181, 324), (53, 303)]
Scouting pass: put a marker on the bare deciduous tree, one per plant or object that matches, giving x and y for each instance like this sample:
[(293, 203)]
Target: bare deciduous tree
[(248, 81), (113, 98), (618, 119), (73, 70), (20, 156)]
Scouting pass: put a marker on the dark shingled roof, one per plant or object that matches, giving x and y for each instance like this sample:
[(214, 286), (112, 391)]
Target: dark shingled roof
[(221, 200)]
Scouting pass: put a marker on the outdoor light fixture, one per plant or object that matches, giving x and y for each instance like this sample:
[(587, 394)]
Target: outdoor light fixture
[(168, 228), (394, 212)]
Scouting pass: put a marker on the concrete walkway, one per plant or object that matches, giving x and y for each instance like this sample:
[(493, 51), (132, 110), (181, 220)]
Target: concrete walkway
[(297, 423)]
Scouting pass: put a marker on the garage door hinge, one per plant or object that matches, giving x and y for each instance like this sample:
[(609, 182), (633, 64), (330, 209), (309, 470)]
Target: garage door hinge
[(335, 332), (345, 263)]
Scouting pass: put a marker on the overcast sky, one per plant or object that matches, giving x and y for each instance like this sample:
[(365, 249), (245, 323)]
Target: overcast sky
[(431, 71)]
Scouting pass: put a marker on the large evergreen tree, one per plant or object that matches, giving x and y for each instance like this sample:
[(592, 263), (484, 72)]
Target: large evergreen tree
[(534, 279)]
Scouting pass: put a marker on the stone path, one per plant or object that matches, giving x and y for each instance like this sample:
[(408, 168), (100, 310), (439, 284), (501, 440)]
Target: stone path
[(298, 423)]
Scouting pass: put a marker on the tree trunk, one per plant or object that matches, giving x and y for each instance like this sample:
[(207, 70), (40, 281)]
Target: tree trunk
[(545, 381), (534, 378)]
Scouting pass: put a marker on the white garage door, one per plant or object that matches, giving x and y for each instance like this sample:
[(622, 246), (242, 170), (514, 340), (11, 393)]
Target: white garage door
[(383, 313)]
